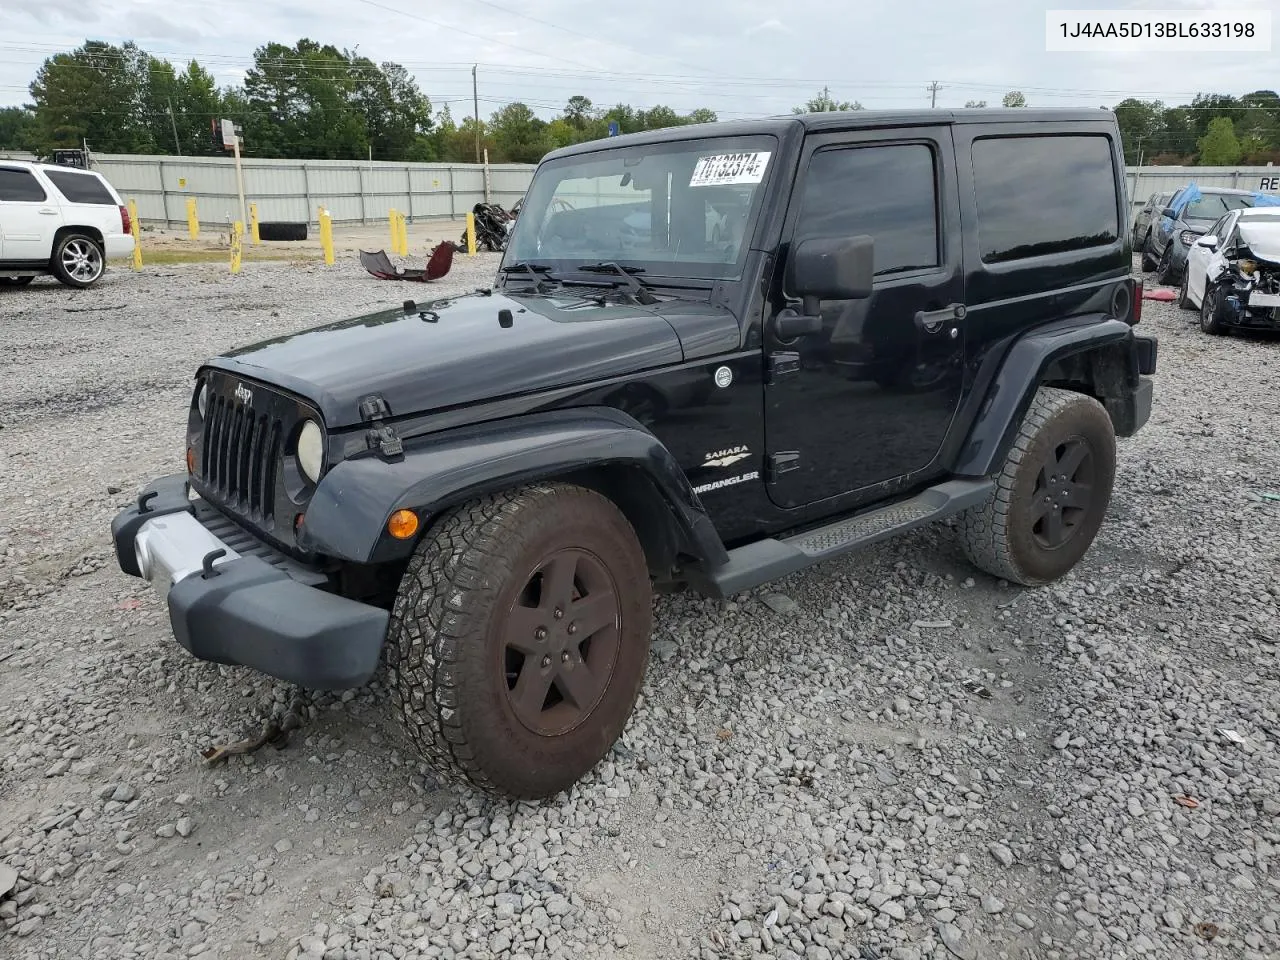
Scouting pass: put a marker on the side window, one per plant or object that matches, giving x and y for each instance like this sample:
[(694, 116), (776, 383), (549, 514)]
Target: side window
[(1042, 195), (886, 191), (80, 187), (20, 185)]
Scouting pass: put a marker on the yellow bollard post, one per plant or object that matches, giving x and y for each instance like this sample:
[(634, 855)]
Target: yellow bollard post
[(326, 236), (395, 230), (135, 227), (253, 224), (404, 236), (193, 222), (236, 233), (471, 234)]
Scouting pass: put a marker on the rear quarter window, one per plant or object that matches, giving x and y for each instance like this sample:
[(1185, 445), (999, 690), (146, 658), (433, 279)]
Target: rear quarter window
[(80, 187), (1039, 195), (19, 185)]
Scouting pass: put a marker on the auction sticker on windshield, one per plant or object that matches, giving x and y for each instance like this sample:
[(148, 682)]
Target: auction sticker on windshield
[(728, 168)]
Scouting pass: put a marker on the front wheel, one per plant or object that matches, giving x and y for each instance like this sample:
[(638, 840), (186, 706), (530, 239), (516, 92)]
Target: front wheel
[(1165, 271), (1184, 295), (519, 638), (15, 281), (1148, 261), (78, 260), (1051, 494), (1209, 309)]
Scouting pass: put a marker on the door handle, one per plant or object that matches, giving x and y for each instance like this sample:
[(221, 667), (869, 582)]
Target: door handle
[(51, 213), (931, 321)]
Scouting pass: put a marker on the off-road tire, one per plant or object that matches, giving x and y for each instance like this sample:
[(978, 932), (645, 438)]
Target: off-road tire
[(64, 252), (447, 650), (1210, 304), (998, 536), (279, 230), (1148, 261)]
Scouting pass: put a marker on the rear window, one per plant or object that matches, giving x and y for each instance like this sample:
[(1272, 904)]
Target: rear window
[(19, 185), (1042, 195), (80, 187)]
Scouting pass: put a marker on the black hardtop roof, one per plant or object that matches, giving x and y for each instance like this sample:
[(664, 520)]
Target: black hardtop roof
[(841, 120)]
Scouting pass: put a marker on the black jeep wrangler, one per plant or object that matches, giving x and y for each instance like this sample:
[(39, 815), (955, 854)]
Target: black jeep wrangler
[(713, 356)]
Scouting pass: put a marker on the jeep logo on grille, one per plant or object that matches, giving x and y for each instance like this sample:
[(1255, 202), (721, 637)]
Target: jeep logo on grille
[(244, 394)]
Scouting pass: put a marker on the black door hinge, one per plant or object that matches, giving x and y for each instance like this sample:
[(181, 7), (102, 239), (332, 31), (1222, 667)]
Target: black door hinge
[(780, 463), (381, 436), (781, 365)]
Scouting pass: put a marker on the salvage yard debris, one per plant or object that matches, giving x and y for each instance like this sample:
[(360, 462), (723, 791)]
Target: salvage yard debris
[(438, 264)]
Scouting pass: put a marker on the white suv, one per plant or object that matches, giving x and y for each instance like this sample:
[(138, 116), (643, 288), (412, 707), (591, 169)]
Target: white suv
[(59, 220)]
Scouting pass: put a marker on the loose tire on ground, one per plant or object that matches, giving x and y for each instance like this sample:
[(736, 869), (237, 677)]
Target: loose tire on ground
[(488, 679), (78, 260), (1035, 526), (280, 230)]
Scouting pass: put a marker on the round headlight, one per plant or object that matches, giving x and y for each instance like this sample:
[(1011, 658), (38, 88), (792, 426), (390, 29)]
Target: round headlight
[(311, 450), (202, 400)]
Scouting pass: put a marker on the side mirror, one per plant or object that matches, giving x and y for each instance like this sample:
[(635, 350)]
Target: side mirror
[(1169, 212), (1208, 241), (838, 268)]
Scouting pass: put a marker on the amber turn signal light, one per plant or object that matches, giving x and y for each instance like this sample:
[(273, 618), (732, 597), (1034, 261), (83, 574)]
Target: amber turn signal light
[(403, 524), (191, 461)]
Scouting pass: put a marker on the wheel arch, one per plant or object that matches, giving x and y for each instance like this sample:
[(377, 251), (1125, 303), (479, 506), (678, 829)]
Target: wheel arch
[(599, 448), (1094, 355), (93, 233)]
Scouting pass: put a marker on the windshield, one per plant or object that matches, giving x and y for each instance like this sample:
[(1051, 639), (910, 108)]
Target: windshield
[(1211, 206), (677, 209)]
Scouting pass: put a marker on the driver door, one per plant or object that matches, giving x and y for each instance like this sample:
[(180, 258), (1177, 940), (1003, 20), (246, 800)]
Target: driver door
[(1200, 257)]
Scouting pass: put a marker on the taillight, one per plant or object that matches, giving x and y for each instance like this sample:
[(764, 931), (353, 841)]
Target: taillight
[(125, 223), (1138, 291)]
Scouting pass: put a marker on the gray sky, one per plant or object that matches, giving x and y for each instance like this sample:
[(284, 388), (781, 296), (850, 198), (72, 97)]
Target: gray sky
[(741, 58)]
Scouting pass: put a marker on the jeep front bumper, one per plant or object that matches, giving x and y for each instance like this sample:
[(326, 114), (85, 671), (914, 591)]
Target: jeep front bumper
[(232, 607)]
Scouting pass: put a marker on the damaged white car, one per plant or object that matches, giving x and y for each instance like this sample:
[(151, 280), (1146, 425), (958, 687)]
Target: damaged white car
[(1233, 272)]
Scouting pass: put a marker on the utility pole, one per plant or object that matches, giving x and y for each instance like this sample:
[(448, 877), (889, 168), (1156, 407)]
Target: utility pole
[(177, 144), (933, 94), (475, 93)]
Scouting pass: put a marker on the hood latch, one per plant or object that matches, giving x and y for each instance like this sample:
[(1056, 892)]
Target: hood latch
[(381, 436)]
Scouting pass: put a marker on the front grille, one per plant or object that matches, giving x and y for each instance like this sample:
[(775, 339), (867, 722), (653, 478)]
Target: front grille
[(239, 457)]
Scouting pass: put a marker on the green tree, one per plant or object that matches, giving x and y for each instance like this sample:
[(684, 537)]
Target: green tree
[(975, 103), (521, 137), (824, 102), (1141, 123), (1219, 146), (703, 115), (97, 92), (579, 113), (17, 128), (1014, 98)]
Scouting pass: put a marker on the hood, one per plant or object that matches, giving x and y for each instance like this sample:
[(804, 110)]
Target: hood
[(455, 351), (1262, 238)]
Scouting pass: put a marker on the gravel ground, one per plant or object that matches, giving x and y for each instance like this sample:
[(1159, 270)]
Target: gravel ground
[(889, 757)]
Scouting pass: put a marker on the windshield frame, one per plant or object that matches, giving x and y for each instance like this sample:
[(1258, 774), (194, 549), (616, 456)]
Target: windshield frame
[(548, 176)]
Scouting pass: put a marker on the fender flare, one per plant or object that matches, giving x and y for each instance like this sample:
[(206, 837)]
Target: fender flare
[(347, 516), (1020, 375)]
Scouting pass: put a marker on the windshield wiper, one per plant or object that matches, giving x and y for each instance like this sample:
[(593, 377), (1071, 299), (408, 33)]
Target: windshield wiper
[(533, 270), (637, 287)]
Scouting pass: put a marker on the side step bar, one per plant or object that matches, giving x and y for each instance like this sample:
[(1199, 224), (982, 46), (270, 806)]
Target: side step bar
[(766, 560)]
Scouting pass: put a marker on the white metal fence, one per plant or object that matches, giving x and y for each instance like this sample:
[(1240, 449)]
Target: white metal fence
[(294, 190), (1144, 181)]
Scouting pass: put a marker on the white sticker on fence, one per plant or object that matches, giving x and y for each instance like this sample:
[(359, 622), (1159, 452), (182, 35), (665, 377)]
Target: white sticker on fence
[(730, 168)]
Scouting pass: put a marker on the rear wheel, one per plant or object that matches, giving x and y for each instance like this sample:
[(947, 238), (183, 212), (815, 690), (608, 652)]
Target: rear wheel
[(519, 638), (78, 260), (1051, 495)]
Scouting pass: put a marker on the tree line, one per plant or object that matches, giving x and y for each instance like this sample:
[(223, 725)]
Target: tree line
[(314, 101), (305, 101)]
